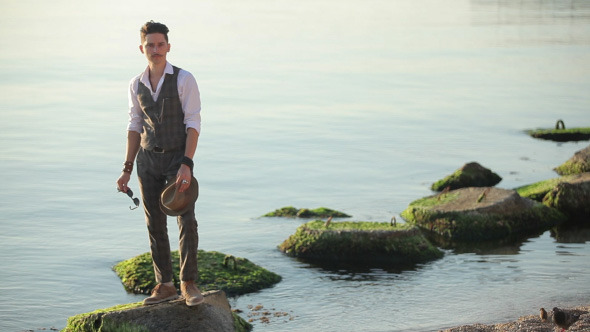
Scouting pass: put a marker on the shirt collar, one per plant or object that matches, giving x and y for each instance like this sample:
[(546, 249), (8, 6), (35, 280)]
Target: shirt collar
[(145, 77)]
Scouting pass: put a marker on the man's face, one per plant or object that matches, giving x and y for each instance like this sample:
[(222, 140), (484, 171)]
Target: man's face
[(155, 47)]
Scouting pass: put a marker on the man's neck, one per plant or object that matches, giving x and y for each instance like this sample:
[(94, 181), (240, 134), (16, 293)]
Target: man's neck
[(156, 72)]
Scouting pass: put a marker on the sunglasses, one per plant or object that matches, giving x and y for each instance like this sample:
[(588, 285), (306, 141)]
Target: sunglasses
[(134, 199)]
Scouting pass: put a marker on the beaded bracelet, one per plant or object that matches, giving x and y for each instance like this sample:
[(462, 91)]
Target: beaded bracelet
[(128, 167)]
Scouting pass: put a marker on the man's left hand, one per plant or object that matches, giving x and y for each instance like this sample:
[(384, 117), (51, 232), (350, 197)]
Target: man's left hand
[(183, 178)]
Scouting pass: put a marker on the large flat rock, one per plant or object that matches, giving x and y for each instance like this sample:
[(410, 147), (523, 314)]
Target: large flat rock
[(484, 200), (360, 242), (214, 315), (480, 214)]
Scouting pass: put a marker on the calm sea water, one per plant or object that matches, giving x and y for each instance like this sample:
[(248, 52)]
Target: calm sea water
[(353, 105)]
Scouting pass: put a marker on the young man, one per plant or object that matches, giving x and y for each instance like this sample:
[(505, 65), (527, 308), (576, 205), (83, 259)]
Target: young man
[(163, 131)]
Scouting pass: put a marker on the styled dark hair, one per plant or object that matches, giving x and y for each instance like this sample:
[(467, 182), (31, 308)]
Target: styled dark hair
[(153, 27)]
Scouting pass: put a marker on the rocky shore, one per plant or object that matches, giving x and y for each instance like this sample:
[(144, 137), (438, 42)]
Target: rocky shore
[(532, 323), (468, 209)]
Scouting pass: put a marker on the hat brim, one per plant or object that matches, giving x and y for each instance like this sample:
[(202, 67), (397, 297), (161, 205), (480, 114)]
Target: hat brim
[(192, 191)]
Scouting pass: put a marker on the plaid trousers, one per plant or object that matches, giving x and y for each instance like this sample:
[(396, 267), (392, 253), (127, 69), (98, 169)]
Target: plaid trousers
[(155, 171)]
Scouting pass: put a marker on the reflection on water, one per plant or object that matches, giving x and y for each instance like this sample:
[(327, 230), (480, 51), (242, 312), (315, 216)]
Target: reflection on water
[(568, 236), (343, 271), (507, 246), (525, 12), (572, 233), (555, 21)]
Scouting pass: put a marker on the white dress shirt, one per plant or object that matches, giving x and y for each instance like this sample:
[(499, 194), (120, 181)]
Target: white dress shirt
[(188, 91)]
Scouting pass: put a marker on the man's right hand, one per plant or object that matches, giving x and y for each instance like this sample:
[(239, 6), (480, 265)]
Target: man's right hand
[(122, 181)]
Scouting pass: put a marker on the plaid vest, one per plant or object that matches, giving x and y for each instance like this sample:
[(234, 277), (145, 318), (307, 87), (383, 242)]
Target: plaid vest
[(163, 119)]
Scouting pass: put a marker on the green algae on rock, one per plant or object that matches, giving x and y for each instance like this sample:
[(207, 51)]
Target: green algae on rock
[(469, 175), (214, 314), (86, 322), (360, 242), (577, 164), (561, 135), (571, 197), (538, 190), (481, 214), (215, 272), (569, 194), (321, 212)]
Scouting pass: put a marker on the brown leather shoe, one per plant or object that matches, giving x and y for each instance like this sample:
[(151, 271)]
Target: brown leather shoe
[(191, 293), (161, 293)]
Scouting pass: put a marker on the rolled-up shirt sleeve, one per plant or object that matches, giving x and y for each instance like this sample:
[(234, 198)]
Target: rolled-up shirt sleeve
[(135, 113), (190, 99)]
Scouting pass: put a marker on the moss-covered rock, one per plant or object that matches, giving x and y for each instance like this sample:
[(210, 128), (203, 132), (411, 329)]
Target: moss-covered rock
[(571, 197), (538, 190), (481, 214), (214, 314), (579, 163), (469, 175), (321, 212), (360, 242), (89, 322), (560, 134), (233, 275)]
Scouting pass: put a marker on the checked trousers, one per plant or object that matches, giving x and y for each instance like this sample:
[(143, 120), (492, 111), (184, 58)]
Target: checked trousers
[(155, 171)]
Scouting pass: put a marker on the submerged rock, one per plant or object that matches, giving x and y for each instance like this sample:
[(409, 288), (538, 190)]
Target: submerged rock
[(233, 275), (213, 315), (469, 175), (577, 164), (360, 242), (321, 212), (481, 214)]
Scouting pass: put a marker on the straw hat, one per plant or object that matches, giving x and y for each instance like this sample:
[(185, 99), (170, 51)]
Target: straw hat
[(174, 203)]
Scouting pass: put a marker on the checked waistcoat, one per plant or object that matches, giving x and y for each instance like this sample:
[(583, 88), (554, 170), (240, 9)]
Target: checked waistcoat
[(163, 119)]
